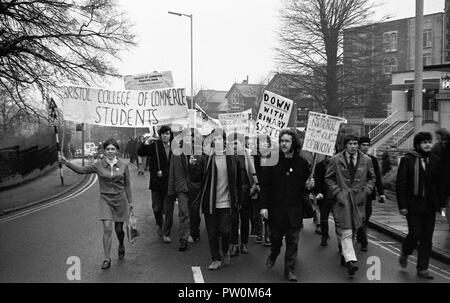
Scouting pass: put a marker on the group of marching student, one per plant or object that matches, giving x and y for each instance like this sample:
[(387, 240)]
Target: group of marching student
[(223, 185), (232, 186)]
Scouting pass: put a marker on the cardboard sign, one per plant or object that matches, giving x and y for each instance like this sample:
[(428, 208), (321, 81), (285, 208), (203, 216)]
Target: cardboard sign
[(321, 133), (273, 115), (123, 108), (151, 81), (236, 122)]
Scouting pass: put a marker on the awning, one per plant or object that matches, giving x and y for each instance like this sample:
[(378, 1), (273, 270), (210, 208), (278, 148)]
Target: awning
[(438, 67), (408, 86)]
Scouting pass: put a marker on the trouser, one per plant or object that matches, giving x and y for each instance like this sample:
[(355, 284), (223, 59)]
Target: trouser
[(158, 198), (420, 232), (345, 239), (244, 216), (218, 226), (447, 212), (325, 209), (194, 214), (362, 231), (316, 210), (169, 204), (291, 239), (183, 216), (142, 162)]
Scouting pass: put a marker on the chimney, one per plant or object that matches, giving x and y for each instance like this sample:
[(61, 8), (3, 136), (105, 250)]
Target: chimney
[(245, 81)]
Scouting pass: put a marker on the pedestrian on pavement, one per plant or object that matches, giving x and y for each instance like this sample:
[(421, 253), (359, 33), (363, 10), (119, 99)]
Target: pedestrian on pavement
[(420, 194), (263, 145), (142, 160), (364, 146), (351, 180), (220, 196), (184, 184), (442, 150), (250, 189), (283, 190), (101, 151), (160, 153), (115, 195)]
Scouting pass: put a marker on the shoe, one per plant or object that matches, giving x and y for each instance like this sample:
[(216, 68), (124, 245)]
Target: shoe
[(183, 246), (267, 242), (425, 274), (291, 276), (106, 264), (226, 259), (403, 260), (324, 241), (167, 239), (343, 261), (121, 252), (364, 247), (258, 240), (234, 251), (318, 230), (190, 239), (215, 265), (244, 249), (270, 262), (351, 268)]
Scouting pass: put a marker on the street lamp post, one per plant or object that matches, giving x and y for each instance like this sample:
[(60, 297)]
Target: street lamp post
[(192, 55)]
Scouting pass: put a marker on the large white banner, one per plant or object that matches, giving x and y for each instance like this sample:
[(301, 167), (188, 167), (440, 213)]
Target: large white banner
[(151, 81), (237, 122), (273, 115), (321, 133), (123, 108)]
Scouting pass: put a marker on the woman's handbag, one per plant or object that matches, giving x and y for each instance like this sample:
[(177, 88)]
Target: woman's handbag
[(132, 232)]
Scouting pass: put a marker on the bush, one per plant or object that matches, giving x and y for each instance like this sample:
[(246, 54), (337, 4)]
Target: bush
[(386, 165)]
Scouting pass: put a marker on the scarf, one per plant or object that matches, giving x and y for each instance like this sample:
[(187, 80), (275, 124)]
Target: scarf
[(111, 162), (417, 164)]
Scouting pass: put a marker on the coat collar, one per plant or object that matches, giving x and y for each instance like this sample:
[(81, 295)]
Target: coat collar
[(105, 164)]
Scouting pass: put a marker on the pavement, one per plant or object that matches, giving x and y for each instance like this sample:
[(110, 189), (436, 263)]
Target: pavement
[(40, 190), (385, 218)]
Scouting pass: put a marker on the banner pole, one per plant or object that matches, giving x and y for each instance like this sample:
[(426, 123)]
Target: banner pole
[(58, 148)]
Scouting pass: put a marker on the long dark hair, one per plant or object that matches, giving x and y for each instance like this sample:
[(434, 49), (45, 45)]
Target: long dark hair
[(295, 140), (111, 141)]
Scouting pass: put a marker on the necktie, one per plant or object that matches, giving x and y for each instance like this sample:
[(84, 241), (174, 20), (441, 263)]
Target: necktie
[(352, 164)]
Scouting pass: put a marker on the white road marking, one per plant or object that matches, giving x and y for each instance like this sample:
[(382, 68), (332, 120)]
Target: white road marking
[(85, 187), (198, 277)]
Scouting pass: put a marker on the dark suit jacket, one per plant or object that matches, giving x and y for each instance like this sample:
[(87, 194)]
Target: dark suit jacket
[(283, 195), (430, 185), (157, 183)]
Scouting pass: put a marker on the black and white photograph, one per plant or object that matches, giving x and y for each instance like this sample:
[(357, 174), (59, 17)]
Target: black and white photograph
[(244, 144)]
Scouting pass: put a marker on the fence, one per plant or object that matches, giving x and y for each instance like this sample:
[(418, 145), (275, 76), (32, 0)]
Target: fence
[(14, 161)]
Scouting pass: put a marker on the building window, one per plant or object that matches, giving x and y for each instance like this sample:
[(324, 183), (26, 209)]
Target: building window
[(390, 41), (426, 59), (427, 38), (390, 65)]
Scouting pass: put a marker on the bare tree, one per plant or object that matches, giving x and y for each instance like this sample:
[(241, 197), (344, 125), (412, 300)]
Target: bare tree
[(44, 43), (312, 41)]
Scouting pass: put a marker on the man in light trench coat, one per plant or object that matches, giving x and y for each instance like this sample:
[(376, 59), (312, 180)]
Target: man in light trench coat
[(351, 179)]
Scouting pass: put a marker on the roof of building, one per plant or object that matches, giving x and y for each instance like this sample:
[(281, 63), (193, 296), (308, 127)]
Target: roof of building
[(247, 90), (212, 96)]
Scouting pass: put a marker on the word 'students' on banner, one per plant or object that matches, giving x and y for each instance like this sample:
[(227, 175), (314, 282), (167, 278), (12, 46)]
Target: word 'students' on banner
[(321, 133), (124, 108), (273, 115)]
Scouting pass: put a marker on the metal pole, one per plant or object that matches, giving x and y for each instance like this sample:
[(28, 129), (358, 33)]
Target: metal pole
[(418, 67), (82, 143), (58, 148), (192, 62)]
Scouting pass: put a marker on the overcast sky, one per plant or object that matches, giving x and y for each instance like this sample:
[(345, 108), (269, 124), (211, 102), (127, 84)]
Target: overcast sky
[(233, 39)]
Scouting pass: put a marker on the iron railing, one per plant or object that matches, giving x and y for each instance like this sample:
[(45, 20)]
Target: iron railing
[(385, 124)]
